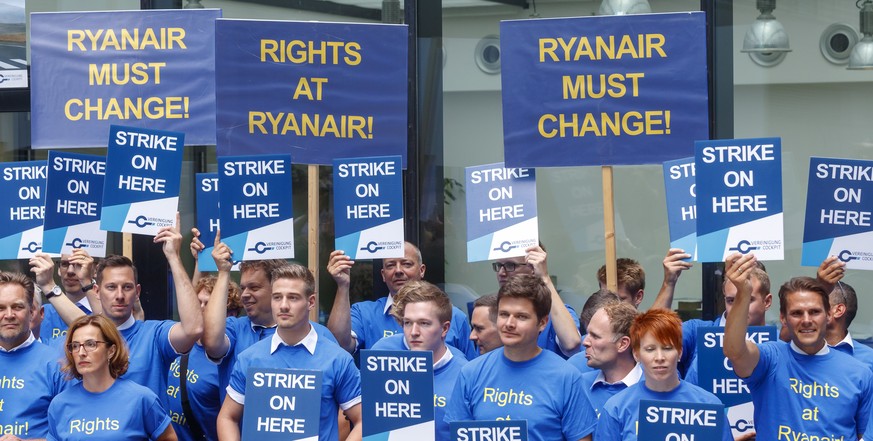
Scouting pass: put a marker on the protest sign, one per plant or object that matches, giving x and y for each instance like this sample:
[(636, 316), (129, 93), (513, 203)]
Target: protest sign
[(679, 186), (22, 211), (74, 194), (505, 430), (397, 395), (501, 211), (368, 207), (675, 420), (739, 198), (282, 405), (91, 70)]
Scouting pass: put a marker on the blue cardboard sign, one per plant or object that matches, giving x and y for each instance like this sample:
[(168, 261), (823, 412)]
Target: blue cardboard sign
[(94, 69), (368, 207), (208, 219), (318, 90), (838, 216), (143, 173), (627, 89), (74, 194), (397, 395), (669, 420), (22, 210), (716, 375), (501, 211), (506, 430), (255, 206), (739, 198), (679, 188), (282, 404)]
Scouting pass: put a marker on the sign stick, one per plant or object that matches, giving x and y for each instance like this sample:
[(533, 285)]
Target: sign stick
[(127, 245), (312, 190), (609, 227)]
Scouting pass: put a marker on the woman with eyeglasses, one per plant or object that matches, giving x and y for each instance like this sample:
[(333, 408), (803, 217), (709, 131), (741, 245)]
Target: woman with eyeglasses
[(103, 406)]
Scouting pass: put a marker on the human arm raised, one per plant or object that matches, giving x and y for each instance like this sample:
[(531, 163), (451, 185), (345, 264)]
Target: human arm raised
[(214, 316), (184, 334), (673, 266), (566, 329), (743, 354), (830, 272), (340, 321), (43, 269)]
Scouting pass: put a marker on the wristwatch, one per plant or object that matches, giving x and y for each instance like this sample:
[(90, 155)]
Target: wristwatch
[(90, 286), (56, 291)]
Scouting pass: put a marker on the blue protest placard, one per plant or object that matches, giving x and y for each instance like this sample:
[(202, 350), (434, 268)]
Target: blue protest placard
[(501, 211), (22, 210), (255, 206), (739, 198), (838, 215), (627, 89), (282, 404), (716, 375), (397, 395), (208, 218), (679, 188), (676, 420), (94, 69), (143, 170), (74, 194), (506, 430), (318, 90), (368, 206)]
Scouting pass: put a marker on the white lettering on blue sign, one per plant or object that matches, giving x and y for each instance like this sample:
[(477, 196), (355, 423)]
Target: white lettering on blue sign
[(288, 381), (396, 364), (738, 153), (498, 174), (24, 173), (76, 165), (489, 434), (844, 172), (262, 167), (146, 141), (361, 169), (685, 417)]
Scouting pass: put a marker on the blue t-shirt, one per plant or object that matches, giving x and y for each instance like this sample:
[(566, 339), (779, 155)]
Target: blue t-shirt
[(689, 341), (548, 339), (29, 378), (818, 395), (150, 355), (203, 395), (53, 330), (340, 383), (618, 420), (125, 411), (601, 391), (545, 391), (860, 352), (371, 323)]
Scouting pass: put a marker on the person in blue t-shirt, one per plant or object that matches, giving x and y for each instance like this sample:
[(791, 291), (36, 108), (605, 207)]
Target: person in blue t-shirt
[(561, 335), (425, 312), (656, 336), (30, 376), (630, 278), (844, 307), (802, 389), (483, 324), (361, 325), (522, 381), (103, 406), (153, 344), (596, 300), (296, 345)]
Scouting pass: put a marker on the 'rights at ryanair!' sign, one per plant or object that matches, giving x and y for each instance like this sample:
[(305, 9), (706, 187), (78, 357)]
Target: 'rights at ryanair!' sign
[(368, 207), (318, 90), (143, 173), (74, 192), (397, 399), (628, 89), (838, 214), (22, 208), (501, 211), (94, 69), (680, 188), (282, 404)]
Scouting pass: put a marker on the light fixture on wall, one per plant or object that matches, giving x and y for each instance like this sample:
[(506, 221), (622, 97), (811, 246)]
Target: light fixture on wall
[(862, 53), (766, 41), (624, 7)]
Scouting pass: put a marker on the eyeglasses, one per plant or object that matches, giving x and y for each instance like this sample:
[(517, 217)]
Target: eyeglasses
[(508, 266), (89, 345)]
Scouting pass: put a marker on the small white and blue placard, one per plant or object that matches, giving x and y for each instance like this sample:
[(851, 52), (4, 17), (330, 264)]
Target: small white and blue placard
[(397, 395), (282, 405), (839, 221), (677, 420), (716, 375), (679, 187), (501, 211), (255, 205), (368, 206), (739, 198), (143, 173), (74, 192), (208, 219), (505, 430), (22, 210)]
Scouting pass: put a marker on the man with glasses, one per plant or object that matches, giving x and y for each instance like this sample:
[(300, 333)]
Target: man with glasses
[(561, 334), (844, 307)]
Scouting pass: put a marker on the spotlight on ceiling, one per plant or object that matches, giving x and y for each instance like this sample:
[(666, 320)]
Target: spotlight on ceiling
[(766, 41), (624, 7), (862, 53)]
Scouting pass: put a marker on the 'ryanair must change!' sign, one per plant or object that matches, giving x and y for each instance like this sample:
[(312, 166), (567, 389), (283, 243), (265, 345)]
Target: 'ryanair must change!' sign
[(501, 211), (143, 170), (739, 198), (94, 69), (318, 90), (255, 206), (74, 193), (838, 213), (397, 395), (22, 209), (368, 207), (629, 89)]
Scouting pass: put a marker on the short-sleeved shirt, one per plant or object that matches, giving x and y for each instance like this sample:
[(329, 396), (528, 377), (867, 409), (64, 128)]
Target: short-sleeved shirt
[(53, 330), (599, 391), (203, 395), (548, 339), (30, 377), (150, 354)]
